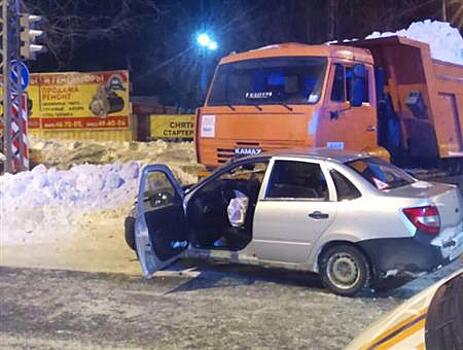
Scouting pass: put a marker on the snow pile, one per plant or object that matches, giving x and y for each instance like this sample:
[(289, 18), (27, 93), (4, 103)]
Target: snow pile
[(86, 187), (445, 41), (50, 204), (39, 203), (65, 153)]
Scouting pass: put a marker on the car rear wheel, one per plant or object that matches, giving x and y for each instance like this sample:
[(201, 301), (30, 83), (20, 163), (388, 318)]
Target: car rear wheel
[(345, 270)]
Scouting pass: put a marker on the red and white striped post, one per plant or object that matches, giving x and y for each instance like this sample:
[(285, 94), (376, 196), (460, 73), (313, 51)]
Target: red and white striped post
[(19, 137)]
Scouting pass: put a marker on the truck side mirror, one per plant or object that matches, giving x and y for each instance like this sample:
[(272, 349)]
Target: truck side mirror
[(357, 87)]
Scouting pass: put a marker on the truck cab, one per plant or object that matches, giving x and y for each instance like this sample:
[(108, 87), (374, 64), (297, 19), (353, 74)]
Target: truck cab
[(288, 95), (386, 96)]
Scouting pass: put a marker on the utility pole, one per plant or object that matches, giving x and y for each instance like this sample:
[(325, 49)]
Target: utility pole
[(332, 18), (19, 35), (203, 53), (9, 52), (444, 10)]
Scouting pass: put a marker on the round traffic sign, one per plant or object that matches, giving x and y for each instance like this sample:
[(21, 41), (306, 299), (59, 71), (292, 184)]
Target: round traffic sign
[(20, 73)]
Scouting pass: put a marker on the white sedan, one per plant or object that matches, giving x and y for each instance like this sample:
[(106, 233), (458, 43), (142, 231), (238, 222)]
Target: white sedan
[(356, 220)]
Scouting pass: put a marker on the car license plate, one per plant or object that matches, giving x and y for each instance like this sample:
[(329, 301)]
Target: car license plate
[(247, 151)]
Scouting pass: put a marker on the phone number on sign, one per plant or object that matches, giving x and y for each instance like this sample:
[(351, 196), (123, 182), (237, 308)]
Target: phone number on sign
[(85, 123)]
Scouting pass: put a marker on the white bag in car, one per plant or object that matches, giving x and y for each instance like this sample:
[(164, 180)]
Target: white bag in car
[(237, 209)]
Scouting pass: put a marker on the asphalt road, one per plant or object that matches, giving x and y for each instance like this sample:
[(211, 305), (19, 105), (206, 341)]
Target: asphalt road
[(191, 306)]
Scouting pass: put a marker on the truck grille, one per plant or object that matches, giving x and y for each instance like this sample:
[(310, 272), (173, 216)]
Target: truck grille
[(225, 154), (227, 151)]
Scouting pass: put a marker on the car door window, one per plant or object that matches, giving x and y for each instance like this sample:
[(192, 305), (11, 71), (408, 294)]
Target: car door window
[(381, 174), (297, 180), (246, 178), (158, 191), (345, 189), (248, 171)]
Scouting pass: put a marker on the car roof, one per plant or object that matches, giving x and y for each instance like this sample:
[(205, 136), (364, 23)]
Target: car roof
[(340, 156)]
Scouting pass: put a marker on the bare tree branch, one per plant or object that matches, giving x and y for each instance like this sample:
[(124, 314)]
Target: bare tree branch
[(69, 26)]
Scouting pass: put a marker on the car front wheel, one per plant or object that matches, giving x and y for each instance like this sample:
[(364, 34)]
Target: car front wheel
[(345, 270), (129, 232)]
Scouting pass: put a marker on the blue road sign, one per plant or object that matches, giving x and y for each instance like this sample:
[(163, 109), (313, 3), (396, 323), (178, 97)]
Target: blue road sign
[(20, 68)]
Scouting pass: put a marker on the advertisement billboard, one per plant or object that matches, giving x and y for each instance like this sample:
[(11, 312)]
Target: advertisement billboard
[(96, 100), (72, 100), (176, 126)]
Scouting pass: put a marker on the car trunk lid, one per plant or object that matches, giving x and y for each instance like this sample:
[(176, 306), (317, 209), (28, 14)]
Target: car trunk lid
[(445, 197)]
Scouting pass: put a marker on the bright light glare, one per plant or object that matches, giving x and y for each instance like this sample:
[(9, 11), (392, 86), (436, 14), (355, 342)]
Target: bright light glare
[(212, 46), (203, 40)]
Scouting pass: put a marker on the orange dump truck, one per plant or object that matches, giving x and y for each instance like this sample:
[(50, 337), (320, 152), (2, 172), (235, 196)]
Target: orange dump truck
[(386, 96)]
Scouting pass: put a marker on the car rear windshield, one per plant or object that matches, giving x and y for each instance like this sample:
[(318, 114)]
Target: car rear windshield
[(381, 174), (288, 80)]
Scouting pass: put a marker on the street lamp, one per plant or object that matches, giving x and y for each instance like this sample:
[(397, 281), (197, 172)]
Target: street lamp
[(212, 45), (206, 43)]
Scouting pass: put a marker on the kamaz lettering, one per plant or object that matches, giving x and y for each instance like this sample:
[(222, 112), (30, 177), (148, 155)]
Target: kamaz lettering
[(243, 151)]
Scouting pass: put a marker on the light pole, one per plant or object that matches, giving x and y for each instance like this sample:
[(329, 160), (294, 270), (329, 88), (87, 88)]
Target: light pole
[(444, 10), (206, 44)]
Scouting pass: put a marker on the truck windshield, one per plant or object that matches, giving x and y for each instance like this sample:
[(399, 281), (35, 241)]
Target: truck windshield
[(278, 80), (381, 174)]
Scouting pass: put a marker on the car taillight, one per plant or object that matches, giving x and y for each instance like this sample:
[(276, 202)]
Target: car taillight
[(425, 219)]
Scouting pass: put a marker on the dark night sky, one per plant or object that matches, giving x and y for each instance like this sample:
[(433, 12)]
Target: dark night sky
[(157, 43)]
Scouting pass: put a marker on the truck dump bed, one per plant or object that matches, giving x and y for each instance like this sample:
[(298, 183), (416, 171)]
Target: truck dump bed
[(426, 95)]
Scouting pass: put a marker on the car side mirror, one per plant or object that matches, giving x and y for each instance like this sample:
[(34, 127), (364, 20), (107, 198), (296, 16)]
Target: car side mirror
[(357, 87)]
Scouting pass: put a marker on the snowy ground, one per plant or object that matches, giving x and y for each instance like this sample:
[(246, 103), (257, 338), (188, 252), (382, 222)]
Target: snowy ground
[(79, 179), (68, 212), (65, 153)]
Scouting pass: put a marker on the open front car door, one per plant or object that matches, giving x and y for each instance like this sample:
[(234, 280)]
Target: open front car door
[(160, 233)]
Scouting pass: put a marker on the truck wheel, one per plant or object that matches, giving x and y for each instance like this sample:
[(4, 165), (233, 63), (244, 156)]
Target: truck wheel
[(129, 231), (345, 270)]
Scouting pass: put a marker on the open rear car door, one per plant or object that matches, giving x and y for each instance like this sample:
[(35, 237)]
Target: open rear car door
[(160, 234)]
